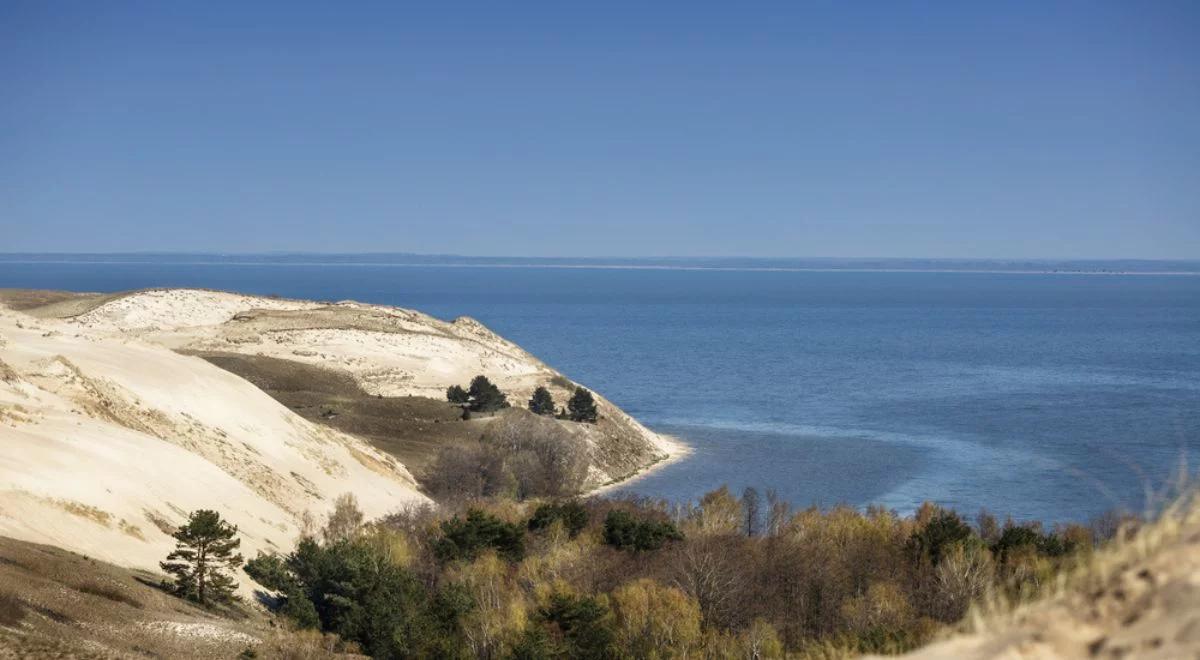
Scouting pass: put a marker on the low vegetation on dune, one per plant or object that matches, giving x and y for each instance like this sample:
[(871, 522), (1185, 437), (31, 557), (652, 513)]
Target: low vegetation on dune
[(727, 577), (519, 456)]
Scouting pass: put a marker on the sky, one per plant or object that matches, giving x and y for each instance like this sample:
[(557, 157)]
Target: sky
[(806, 129)]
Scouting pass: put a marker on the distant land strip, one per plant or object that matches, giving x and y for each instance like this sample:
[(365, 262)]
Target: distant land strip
[(799, 264)]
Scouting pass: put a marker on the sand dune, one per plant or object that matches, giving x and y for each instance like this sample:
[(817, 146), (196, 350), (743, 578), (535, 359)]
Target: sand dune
[(387, 351), (111, 432), (109, 441)]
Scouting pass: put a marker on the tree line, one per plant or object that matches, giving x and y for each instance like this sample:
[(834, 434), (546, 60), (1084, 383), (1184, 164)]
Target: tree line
[(724, 577), (483, 396)]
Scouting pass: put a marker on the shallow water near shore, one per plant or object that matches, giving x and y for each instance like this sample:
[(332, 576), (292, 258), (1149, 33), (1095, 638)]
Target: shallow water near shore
[(1054, 397)]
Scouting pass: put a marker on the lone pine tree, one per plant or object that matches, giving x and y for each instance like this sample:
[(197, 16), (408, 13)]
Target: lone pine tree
[(541, 403), (582, 406), (485, 396), (204, 549)]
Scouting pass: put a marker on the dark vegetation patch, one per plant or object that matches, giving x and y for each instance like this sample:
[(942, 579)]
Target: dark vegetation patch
[(109, 591), (12, 610), (411, 428)]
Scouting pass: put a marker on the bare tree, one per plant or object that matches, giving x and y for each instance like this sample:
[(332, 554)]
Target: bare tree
[(778, 513), (752, 511), (710, 570), (345, 521)]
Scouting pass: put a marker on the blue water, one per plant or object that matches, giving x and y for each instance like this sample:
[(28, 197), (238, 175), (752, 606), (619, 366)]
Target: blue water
[(1054, 397)]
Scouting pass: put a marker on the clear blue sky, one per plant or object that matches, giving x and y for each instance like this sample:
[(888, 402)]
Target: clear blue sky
[(952, 129)]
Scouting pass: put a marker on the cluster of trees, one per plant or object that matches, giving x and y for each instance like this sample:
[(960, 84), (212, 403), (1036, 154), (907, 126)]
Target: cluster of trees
[(581, 407), (483, 396), (725, 577)]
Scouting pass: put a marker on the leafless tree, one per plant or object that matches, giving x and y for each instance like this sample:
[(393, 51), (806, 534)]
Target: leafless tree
[(752, 511)]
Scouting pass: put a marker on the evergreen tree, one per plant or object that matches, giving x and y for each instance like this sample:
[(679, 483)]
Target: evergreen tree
[(485, 396), (204, 548), (457, 395), (582, 406), (541, 403)]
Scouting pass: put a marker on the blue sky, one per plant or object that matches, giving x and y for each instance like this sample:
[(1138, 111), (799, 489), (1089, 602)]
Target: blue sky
[(1041, 129)]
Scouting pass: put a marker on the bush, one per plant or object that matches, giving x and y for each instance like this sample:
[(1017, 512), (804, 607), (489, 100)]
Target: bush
[(355, 589), (457, 395), (939, 534), (110, 592), (466, 538), (574, 517), (623, 531), (12, 610), (574, 627), (520, 456)]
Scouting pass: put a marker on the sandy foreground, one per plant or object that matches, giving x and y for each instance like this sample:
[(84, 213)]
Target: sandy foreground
[(113, 428), (1139, 598)]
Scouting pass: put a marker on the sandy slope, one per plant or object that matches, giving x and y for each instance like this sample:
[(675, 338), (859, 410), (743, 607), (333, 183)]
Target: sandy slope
[(1137, 599), (106, 441), (388, 351), (110, 432)]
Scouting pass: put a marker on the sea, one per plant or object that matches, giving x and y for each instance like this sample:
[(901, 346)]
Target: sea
[(1055, 396)]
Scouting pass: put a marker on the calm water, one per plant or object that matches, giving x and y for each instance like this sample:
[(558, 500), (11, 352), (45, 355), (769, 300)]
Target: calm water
[(1053, 397)]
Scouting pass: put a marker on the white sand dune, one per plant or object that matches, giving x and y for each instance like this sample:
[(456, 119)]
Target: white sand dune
[(109, 434), (388, 351), (107, 441)]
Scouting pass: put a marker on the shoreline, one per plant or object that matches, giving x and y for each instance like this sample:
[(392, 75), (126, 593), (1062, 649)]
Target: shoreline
[(678, 450)]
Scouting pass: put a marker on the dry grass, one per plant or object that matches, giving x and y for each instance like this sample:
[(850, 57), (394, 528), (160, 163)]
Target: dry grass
[(1137, 596), (57, 604)]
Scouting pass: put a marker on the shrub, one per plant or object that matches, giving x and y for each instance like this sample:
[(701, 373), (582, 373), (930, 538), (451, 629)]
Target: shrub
[(574, 517), (12, 610), (357, 591), (624, 531), (575, 627), (110, 592), (520, 456), (943, 530), (457, 395), (466, 538)]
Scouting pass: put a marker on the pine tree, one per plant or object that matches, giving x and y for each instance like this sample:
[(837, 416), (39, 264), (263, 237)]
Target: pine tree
[(541, 403), (582, 406), (457, 395), (204, 548), (485, 396)]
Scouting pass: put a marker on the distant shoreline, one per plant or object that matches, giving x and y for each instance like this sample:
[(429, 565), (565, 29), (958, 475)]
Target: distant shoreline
[(605, 266)]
